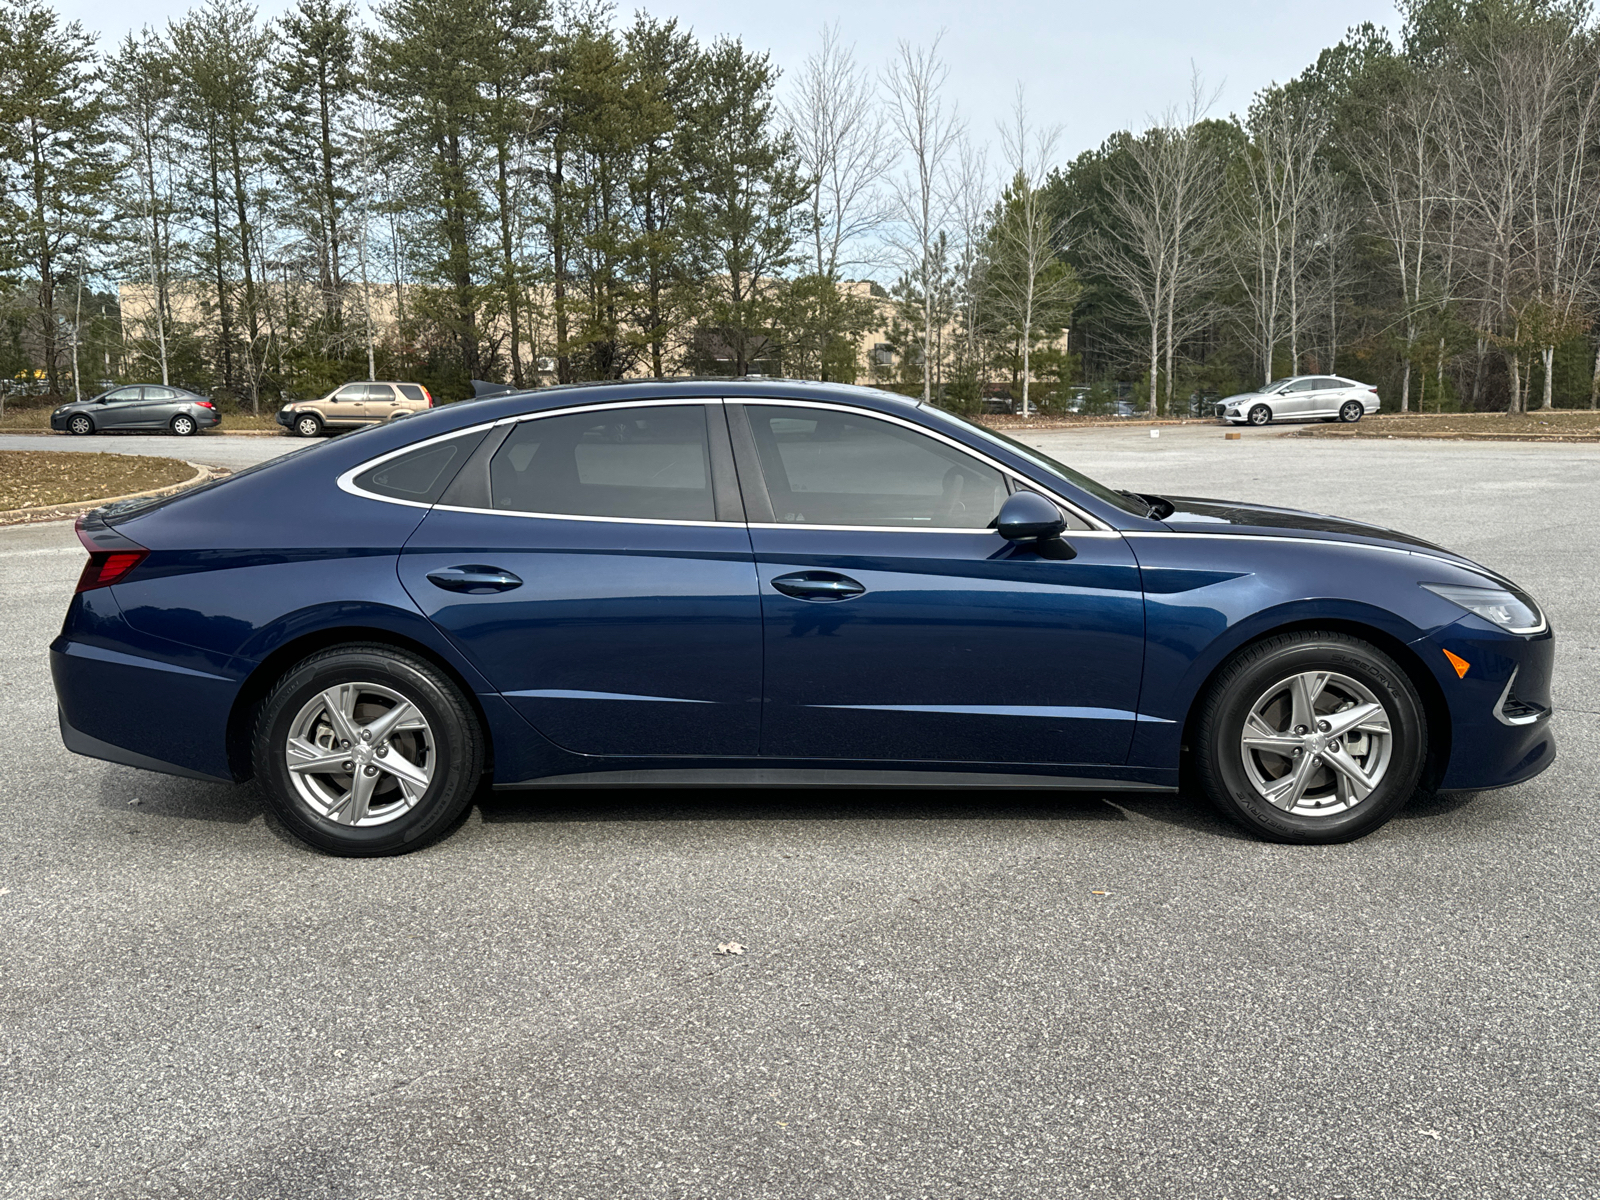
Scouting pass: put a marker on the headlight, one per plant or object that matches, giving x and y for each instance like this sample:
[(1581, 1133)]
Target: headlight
[(1512, 611)]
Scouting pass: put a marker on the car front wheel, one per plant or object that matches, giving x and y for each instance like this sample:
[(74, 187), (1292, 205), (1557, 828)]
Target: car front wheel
[(1350, 411), (1260, 415), (307, 425), (183, 425), (365, 750), (81, 425), (1311, 737)]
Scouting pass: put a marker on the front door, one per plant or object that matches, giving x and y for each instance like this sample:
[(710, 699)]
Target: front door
[(119, 409), (604, 583), (899, 626)]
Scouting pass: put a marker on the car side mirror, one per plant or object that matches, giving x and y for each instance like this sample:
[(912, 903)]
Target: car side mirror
[(1028, 519)]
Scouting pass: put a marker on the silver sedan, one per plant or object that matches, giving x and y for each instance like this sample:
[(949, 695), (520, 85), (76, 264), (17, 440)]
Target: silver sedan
[(1301, 398)]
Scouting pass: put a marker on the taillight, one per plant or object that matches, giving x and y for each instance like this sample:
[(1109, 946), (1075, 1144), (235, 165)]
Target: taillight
[(107, 567), (429, 396), (205, 404)]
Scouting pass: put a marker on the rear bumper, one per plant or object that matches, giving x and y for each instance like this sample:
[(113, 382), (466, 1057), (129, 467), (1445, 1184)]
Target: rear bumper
[(110, 701)]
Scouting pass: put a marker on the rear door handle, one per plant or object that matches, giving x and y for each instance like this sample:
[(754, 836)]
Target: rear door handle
[(474, 579), (818, 585)]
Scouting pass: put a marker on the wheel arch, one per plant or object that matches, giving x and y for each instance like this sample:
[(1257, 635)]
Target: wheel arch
[(1405, 657), (241, 718)]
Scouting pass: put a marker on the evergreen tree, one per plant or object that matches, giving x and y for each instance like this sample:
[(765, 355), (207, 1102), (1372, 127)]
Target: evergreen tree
[(56, 167)]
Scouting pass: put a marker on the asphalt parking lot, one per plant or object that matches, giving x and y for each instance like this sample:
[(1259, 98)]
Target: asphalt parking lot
[(935, 1001)]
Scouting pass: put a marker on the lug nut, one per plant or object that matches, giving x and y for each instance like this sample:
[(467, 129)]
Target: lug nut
[(348, 766), (1300, 730), (1324, 726), (344, 745), (366, 734), (382, 750), (372, 770)]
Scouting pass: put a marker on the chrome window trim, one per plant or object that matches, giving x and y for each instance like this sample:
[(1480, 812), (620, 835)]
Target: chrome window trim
[(346, 481), (1095, 523)]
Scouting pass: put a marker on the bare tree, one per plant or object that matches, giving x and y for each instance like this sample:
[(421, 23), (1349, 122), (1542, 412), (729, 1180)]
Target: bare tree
[(1030, 283), (927, 137), (844, 152), (1165, 250), (1272, 213)]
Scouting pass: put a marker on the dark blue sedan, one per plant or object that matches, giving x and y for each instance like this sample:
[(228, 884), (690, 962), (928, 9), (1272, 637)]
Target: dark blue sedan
[(747, 582)]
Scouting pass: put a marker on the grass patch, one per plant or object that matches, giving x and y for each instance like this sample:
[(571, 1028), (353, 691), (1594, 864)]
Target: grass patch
[(38, 478), (1563, 424)]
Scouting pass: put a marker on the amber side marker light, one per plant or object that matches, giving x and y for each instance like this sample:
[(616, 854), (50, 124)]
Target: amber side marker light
[(1460, 664)]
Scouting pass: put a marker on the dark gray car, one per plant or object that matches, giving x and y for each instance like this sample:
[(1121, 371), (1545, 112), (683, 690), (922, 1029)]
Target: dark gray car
[(138, 406)]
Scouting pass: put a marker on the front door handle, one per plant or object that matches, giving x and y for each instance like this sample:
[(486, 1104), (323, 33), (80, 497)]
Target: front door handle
[(474, 579), (818, 585)]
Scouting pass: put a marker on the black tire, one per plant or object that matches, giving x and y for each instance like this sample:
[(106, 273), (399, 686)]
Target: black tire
[(1351, 411), (80, 425), (1254, 672), (1260, 415), (183, 425), (307, 425), (456, 757)]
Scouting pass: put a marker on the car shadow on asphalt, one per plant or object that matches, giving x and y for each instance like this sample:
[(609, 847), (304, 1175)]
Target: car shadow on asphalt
[(770, 803)]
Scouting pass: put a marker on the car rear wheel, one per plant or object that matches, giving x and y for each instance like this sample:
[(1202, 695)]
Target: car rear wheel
[(1311, 737), (80, 425), (1350, 411), (1260, 415), (307, 425), (183, 425), (365, 750)]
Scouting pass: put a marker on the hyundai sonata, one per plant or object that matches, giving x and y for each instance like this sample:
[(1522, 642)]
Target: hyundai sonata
[(742, 582)]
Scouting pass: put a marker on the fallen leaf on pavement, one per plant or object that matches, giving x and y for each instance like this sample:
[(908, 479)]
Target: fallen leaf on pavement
[(730, 948)]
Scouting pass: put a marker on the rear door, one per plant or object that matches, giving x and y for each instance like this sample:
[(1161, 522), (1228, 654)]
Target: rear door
[(595, 565), (380, 402)]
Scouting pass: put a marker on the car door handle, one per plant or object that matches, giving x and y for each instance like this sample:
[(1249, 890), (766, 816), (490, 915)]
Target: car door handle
[(474, 579), (818, 585)]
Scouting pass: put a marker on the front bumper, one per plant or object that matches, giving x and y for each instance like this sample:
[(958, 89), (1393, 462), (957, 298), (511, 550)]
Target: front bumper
[(1500, 707), (285, 417)]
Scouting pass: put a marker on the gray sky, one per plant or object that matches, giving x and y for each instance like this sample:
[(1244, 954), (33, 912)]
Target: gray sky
[(1093, 68)]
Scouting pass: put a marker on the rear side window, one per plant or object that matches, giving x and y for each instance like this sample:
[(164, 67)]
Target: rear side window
[(825, 467), (647, 462), (420, 475), (411, 391)]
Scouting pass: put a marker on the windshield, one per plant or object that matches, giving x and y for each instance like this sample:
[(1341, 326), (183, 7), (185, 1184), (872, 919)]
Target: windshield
[(1277, 384), (1127, 503)]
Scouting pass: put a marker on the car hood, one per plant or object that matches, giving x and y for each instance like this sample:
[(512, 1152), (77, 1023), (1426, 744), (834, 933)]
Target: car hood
[(1234, 399), (1192, 514)]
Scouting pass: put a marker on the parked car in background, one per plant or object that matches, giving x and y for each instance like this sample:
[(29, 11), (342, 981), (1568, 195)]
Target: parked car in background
[(138, 406), (352, 405), (1301, 398), (743, 582)]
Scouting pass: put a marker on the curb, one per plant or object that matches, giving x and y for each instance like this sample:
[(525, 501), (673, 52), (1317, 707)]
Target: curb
[(56, 512), (149, 433)]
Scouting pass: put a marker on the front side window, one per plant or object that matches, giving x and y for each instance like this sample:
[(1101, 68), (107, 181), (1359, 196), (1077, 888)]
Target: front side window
[(122, 396), (825, 467), (644, 462)]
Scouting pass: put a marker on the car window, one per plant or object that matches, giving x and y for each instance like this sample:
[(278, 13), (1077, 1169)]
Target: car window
[(351, 391), (411, 391), (160, 393), (1327, 383), (825, 467), (380, 392), (647, 461), (122, 396), (422, 474)]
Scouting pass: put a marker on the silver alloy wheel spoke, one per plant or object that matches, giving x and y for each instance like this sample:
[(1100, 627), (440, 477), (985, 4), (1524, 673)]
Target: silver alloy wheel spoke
[(1288, 790), (1349, 774), (1261, 736), (352, 810), (411, 776), (1367, 718), (307, 756), (341, 702), (379, 730), (1304, 691)]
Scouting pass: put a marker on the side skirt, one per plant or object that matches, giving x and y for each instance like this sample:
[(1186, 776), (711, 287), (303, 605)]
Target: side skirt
[(817, 777)]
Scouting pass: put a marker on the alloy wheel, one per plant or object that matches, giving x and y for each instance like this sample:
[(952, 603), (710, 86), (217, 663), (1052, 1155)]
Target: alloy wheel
[(183, 426), (307, 426), (1260, 415), (81, 425), (1351, 412), (1316, 744), (360, 754)]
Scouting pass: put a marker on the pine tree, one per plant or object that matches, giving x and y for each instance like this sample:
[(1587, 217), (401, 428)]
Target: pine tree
[(56, 167)]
